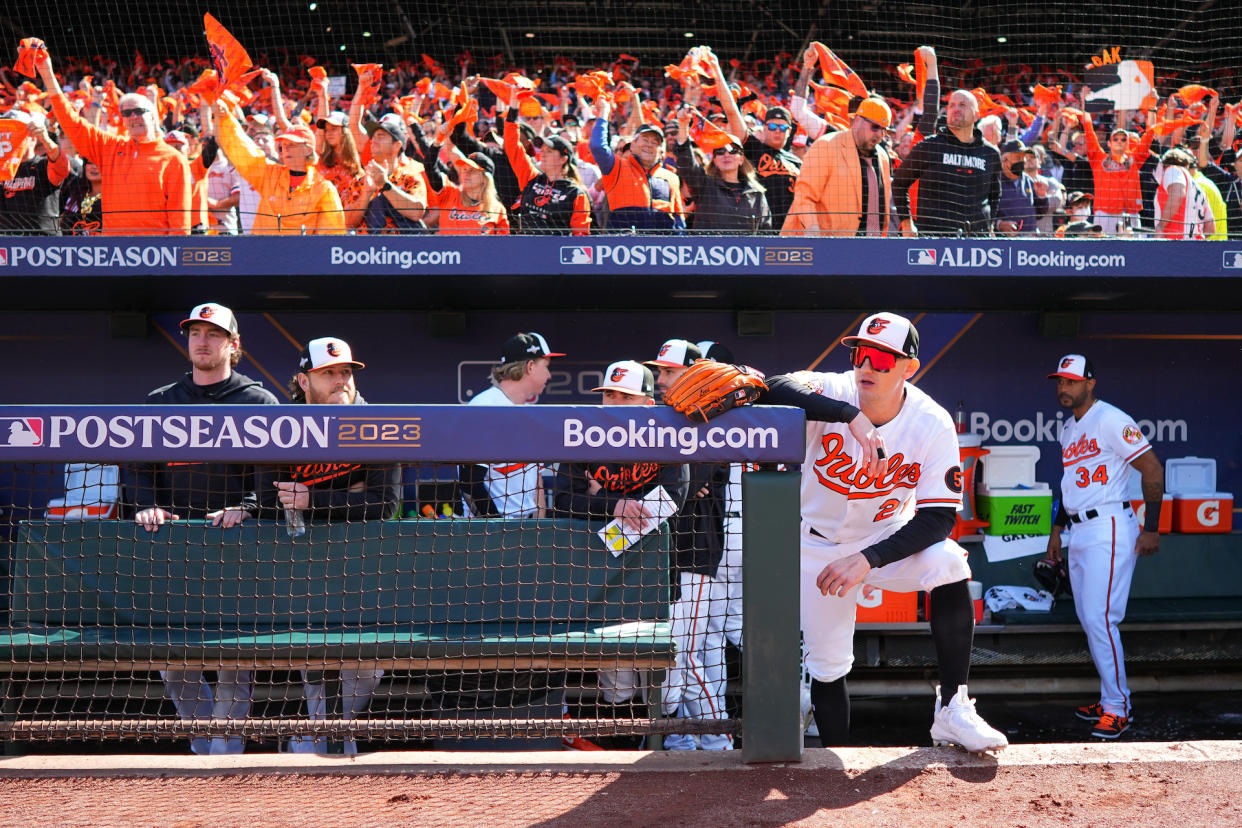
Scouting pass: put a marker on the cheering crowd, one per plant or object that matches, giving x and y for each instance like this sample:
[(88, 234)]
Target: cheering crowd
[(803, 149)]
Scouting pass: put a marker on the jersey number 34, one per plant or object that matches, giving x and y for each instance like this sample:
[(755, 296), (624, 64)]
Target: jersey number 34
[(1086, 478)]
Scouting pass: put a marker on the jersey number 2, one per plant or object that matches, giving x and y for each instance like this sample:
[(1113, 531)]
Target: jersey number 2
[(887, 509), (1085, 478)]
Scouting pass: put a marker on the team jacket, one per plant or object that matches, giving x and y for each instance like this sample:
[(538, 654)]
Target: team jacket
[(637, 197), (698, 529), (313, 206), (959, 184), (189, 489), (338, 491), (545, 206), (618, 481), (777, 170), (146, 185)]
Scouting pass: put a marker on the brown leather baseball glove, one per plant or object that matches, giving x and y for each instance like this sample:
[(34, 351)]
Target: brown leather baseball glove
[(710, 388)]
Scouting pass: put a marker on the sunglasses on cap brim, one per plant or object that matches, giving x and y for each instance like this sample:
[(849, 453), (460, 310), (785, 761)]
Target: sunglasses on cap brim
[(731, 149), (881, 360)]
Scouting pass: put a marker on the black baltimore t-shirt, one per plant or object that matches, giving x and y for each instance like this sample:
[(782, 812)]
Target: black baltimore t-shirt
[(777, 169)]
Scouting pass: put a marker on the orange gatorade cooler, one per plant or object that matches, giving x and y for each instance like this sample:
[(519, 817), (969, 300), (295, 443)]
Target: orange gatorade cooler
[(1197, 506)]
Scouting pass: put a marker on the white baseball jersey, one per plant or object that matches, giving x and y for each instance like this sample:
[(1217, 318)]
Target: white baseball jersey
[(1194, 209), (511, 485), (924, 468), (1096, 452)]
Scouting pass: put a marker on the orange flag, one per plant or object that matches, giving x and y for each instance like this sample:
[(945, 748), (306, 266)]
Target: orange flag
[(1194, 93), (829, 99), (1044, 95), (29, 50), (1167, 127), (318, 73), (369, 93), (230, 59), (837, 72)]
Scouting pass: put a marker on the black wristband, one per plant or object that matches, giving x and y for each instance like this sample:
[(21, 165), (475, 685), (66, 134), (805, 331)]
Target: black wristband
[(387, 186), (1151, 515)]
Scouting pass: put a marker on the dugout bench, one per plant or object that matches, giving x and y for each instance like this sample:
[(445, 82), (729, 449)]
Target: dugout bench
[(420, 595)]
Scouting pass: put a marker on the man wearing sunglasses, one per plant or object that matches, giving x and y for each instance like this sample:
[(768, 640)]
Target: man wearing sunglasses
[(870, 521), (845, 182), (146, 183), (765, 148)]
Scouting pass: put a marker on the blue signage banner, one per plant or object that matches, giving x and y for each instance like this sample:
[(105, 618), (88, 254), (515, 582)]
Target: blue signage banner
[(395, 433), (611, 255)]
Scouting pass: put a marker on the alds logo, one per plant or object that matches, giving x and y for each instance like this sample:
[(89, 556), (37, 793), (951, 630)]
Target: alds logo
[(838, 471), (876, 326), (618, 373)]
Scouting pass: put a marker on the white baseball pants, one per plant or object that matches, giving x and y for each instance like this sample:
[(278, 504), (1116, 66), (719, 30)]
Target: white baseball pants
[(1101, 566), (194, 700), (828, 622), (694, 688)]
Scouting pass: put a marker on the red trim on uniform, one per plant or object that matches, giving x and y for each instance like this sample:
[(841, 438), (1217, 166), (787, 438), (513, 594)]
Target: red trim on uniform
[(693, 648), (1138, 453), (856, 495), (510, 469), (949, 500), (1112, 559), (1080, 458)]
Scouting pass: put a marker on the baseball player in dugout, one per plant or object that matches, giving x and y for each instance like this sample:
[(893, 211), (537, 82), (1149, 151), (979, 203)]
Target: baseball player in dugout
[(603, 491), (695, 688), (515, 489), (323, 492), (881, 484), (222, 493), (1099, 448)]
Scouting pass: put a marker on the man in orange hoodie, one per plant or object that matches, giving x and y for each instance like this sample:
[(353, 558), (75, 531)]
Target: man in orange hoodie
[(146, 183)]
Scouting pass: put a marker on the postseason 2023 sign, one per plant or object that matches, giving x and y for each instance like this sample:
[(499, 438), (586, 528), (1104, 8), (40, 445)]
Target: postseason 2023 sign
[(395, 433)]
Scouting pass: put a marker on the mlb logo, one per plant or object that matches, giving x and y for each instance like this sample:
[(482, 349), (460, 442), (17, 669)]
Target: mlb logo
[(922, 256), (21, 431), (577, 255), (4, 256), (1229, 259)]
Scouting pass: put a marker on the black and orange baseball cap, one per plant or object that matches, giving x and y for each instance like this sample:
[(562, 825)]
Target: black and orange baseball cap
[(1074, 367), (628, 377), (887, 331), (676, 353), (326, 351), (213, 314)]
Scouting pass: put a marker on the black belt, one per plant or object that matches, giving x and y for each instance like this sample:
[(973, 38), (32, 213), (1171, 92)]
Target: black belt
[(1090, 514)]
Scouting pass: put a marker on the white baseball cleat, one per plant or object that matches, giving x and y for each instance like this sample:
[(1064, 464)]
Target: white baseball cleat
[(959, 724), (804, 710)]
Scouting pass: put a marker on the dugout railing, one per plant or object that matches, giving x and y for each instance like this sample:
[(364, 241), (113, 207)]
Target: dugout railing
[(387, 620)]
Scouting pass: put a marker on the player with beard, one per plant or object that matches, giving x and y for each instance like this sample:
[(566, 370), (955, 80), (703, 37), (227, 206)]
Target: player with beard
[(332, 492)]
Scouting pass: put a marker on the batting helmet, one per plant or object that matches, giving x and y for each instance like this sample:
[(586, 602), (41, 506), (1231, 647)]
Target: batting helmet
[(1053, 576)]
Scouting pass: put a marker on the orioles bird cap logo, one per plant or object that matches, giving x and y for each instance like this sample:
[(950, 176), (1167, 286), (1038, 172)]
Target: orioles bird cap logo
[(664, 349), (617, 374), (207, 312), (333, 350), (1067, 362), (876, 326)]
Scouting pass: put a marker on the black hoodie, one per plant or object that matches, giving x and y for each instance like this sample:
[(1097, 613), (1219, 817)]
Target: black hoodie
[(959, 184), (191, 490)]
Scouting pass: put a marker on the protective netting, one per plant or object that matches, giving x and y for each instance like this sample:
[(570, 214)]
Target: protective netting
[(310, 607), (1090, 120)]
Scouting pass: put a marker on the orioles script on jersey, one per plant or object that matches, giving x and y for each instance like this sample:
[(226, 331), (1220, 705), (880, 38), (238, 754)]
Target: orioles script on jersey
[(838, 471), (1080, 450), (627, 478)]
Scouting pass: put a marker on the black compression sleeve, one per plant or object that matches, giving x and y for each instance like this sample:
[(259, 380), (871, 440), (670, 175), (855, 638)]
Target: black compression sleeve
[(473, 489), (784, 391), (928, 526), (1062, 518)]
